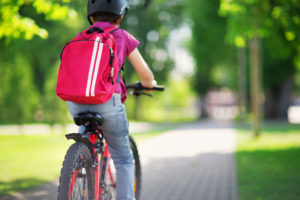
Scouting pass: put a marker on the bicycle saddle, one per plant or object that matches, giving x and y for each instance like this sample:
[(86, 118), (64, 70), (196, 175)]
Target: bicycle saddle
[(88, 119)]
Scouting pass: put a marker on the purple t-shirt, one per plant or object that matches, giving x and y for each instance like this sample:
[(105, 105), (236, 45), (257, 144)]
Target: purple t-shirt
[(126, 43)]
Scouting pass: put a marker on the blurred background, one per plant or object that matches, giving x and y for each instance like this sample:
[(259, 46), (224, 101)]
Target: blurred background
[(218, 59), (200, 50)]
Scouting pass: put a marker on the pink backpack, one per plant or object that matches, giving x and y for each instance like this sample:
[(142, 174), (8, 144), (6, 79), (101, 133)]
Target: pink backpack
[(88, 71)]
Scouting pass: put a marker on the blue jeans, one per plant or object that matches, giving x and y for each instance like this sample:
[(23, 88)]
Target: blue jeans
[(115, 128)]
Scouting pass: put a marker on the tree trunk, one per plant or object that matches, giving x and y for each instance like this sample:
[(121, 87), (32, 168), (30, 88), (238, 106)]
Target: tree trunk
[(278, 100), (255, 84), (270, 103), (242, 81), (202, 106), (285, 98)]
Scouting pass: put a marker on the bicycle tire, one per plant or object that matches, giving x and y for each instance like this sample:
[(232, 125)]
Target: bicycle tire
[(138, 170), (77, 174)]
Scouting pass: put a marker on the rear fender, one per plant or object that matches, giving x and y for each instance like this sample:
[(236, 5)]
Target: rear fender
[(77, 137)]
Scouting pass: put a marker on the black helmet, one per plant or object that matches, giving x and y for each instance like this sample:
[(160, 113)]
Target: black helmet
[(117, 7)]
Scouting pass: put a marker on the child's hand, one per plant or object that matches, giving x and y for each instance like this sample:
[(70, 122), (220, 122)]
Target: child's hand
[(149, 84)]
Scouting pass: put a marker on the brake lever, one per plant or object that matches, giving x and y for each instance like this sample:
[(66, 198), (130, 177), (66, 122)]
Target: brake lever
[(138, 93), (147, 94)]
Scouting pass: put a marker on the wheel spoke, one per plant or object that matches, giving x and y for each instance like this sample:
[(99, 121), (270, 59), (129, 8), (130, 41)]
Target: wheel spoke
[(77, 178), (79, 191), (74, 177)]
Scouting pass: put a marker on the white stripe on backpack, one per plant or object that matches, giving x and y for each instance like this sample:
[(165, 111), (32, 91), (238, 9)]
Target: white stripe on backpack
[(92, 64), (96, 69)]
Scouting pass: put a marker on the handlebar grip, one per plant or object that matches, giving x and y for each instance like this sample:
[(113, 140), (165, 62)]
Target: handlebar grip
[(139, 86), (158, 88), (134, 86)]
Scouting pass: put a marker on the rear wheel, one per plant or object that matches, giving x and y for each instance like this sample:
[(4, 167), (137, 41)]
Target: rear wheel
[(137, 169), (77, 175)]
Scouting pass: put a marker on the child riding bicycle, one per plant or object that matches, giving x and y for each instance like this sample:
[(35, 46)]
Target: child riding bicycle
[(103, 14)]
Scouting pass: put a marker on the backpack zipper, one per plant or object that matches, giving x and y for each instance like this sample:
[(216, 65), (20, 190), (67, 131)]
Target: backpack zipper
[(80, 41)]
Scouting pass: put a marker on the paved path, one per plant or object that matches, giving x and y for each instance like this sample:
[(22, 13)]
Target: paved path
[(194, 162)]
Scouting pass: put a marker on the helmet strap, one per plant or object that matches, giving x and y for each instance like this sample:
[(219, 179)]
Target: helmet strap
[(90, 20)]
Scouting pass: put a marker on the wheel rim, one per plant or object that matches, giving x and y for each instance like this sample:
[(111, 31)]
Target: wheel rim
[(78, 184), (135, 185)]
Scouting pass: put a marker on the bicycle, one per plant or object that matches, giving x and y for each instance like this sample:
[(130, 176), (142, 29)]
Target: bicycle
[(87, 172)]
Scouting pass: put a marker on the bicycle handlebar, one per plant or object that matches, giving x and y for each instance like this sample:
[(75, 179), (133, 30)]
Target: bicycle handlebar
[(138, 89), (139, 86)]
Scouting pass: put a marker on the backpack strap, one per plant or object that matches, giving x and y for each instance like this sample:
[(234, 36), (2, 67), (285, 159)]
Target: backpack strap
[(110, 29), (94, 29)]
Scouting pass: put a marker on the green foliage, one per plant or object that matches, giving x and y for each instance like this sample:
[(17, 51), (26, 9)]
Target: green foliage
[(151, 27), (276, 23), (277, 20), (39, 66), (15, 25), (246, 19), (19, 98), (279, 63), (264, 19), (172, 105), (54, 108), (208, 48)]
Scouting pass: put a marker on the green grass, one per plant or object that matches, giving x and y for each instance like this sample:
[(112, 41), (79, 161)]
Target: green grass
[(31, 160), (268, 167)]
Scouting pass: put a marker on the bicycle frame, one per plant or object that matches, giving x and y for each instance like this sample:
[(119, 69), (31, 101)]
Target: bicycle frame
[(101, 167)]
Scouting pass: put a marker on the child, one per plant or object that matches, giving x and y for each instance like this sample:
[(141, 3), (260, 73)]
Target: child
[(103, 14)]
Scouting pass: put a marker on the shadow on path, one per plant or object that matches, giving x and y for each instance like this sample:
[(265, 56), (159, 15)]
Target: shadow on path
[(46, 191)]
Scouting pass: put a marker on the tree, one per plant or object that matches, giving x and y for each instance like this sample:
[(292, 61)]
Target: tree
[(208, 45), (285, 60), (151, 26), (26, 61), (13, 24), (19, 97), (214, 58), (276, 23)]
